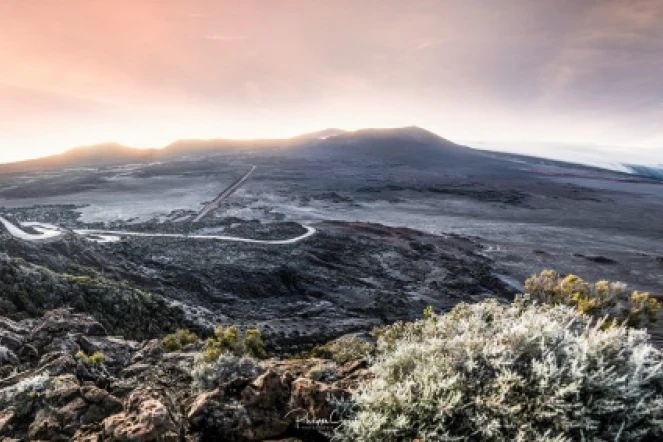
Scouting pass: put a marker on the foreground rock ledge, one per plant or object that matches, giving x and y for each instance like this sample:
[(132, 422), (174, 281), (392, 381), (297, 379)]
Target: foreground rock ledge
[(142, 394)]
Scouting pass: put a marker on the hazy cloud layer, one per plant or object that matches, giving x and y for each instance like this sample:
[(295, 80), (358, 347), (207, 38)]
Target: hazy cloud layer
[(147, 72)]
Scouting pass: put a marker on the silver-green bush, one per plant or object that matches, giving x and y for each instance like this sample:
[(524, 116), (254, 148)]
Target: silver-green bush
[(348, 348), (210, 374), (518, 372)]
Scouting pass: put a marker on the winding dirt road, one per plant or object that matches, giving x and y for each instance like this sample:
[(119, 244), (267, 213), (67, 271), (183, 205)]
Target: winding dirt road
[(49, 232)]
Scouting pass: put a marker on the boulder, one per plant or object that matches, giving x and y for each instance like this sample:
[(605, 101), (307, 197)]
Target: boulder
[(61, 389), (59, 327), (46, 426), (313, 398), (65, 406), (7, 356), (264, 408), (147, 416), (11, 340), (152, 350), (7, 418), (117, 351)]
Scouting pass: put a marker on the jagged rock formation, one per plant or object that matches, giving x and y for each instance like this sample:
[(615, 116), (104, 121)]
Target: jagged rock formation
[(142, 394)]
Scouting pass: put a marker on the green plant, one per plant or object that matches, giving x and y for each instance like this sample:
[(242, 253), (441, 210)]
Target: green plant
[(232, 340), (343, 349), (208, 374), (603, 298), (96, 358), (176, 341), (387, 336), (254, 344), (518, 372)]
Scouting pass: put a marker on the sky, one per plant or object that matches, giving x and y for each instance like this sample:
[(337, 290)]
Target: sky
[(498, 72)]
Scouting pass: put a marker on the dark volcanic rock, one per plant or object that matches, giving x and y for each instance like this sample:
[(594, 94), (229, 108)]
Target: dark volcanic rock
[(29, 290), (347, 277), (596, 258), (48, 399)]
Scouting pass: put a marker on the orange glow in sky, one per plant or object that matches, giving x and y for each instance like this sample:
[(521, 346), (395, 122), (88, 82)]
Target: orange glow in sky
[(146, 73)]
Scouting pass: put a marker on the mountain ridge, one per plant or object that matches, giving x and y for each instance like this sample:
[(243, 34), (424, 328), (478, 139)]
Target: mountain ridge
[(111, 153), (393, 144)]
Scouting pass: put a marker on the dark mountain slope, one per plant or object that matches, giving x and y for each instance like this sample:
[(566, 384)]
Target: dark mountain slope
[(410, 147)]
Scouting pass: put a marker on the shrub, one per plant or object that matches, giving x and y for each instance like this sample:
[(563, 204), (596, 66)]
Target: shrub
[(343, 349), (518, 372), (387, 336), (181, 338), (254, 344), (95, 359), (231, 340), (210, 374), (603, 298)]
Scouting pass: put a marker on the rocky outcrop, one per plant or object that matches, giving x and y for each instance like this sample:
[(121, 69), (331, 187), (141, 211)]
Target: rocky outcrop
[(59, 410), (264, 408), (148, 416), (255, 412), (31, 288), (139, 393)]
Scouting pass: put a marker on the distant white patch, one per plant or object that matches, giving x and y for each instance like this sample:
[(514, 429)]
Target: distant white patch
[(605, 157)]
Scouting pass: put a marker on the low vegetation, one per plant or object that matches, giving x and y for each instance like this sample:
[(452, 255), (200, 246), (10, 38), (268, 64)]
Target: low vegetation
[(343, 349), (208, 374), (95, 359), (231, 353), (600, 299), (31, 387), (181, 338), (517, 372), (234, 341)]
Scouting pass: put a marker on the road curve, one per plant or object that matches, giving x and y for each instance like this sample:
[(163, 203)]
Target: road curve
[(51, 232), (310, 231)]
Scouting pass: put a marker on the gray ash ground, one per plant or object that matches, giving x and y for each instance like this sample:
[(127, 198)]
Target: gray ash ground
[(404, 220)]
